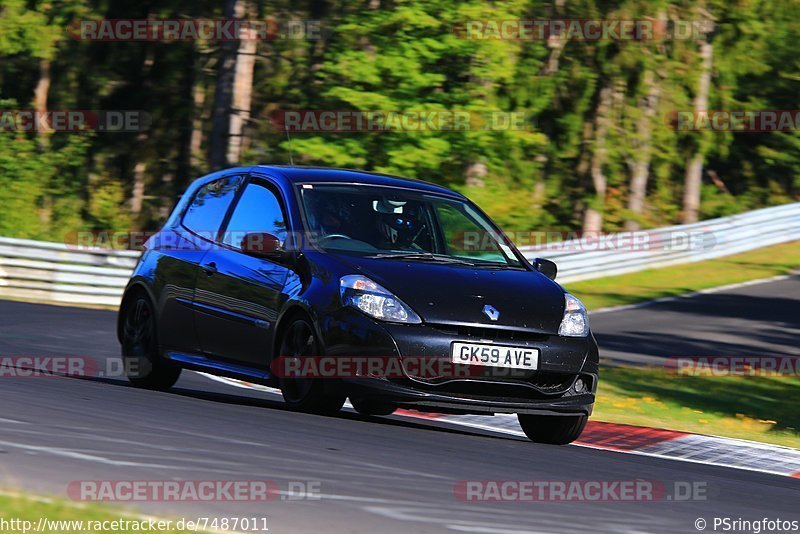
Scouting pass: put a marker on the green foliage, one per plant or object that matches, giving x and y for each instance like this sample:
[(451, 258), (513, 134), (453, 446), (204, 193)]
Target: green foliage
[(399, 56), (104, 205), (24, 182), (26, 31), (39, 198)]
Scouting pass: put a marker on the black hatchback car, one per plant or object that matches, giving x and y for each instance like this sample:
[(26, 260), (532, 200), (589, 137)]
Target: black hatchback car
[(332, 283)]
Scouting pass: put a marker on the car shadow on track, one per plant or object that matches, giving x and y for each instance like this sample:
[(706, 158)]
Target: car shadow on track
[(256, 399), (393, 421)]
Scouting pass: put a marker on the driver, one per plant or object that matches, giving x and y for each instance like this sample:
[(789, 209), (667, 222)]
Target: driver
[(332, 217), (398, 223)]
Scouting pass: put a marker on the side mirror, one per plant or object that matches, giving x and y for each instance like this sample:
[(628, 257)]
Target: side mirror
[(546, 267), (263, 245)]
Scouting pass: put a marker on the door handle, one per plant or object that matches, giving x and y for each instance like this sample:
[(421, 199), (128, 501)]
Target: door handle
[(209, 268)]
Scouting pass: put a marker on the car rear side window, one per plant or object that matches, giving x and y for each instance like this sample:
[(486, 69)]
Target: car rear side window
[(205, 214), (258, 211)]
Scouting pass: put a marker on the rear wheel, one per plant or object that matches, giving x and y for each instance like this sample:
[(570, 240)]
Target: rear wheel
[(144, 367), (368, 407), (552, 429), (305, 394)]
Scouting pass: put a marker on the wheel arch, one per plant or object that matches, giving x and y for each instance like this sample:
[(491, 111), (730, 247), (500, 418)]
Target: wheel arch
[(136, 287), (292, 311)]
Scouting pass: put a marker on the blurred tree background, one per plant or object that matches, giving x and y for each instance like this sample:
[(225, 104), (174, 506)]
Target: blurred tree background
[(599, 152)]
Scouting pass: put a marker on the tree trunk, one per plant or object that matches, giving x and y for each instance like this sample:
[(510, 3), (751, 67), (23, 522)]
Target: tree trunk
[(40, 95), (555, 43), (223, 96), (196, 143), (137, 193), (186, 158), (318, 10), (694, 170), (43, 139), (476, 174), (242, 87), (593, 217), (641, 166)]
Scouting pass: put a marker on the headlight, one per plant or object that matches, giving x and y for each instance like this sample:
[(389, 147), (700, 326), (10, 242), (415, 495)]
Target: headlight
[(575, 322), (374, 300)]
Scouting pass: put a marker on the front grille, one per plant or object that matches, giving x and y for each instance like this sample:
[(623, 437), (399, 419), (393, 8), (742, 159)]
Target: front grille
[(537, 385), (552, 382), (494, 334)]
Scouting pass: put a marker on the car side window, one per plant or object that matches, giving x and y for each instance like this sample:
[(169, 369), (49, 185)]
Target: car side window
[(205, 214), (258, 211)]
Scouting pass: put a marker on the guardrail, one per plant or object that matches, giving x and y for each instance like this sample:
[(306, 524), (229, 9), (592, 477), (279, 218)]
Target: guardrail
[(626, 252), (55, 272)]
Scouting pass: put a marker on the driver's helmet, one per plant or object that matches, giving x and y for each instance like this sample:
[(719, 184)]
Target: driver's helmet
[(398, 221)]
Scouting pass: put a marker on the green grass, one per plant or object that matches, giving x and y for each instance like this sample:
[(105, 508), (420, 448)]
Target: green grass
[(754, 408), (29, 508), (758, 408), (680, 279)]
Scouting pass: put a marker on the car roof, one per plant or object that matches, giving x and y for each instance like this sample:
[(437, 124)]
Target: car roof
[(310, 175)]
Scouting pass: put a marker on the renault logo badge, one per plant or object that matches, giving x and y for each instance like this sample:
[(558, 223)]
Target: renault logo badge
[(491, 312)]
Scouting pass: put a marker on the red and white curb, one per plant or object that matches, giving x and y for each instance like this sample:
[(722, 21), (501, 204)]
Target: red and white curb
[(628, 439), (659, 443)]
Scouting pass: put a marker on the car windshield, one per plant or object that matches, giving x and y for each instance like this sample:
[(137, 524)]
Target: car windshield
[(384, 222)]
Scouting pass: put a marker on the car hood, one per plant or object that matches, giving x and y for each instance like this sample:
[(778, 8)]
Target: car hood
[(457, 295)]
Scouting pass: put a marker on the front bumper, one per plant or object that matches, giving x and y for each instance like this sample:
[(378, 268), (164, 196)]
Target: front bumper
[(463, 403), (550, 390)]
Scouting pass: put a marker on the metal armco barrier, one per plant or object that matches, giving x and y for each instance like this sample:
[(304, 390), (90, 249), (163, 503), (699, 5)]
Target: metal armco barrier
[(55, 272), (628, 252)]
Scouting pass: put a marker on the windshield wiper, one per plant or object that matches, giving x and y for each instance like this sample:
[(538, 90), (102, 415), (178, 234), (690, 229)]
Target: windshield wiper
[(423, 256)]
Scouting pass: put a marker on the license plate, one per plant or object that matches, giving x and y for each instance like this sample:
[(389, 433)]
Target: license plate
[(495, 355)]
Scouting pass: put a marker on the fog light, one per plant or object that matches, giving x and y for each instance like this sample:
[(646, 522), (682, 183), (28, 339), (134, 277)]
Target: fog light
[(579, 386)]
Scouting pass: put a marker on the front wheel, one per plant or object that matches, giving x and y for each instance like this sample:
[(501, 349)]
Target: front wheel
[(143, 365), (552, 429), (368, 407), (306, 394)]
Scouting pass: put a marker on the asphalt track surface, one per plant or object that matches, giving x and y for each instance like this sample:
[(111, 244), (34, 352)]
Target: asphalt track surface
[(375, 475), (760, 319)]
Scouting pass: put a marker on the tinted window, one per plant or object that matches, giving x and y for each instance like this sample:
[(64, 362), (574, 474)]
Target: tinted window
[(258, 210), (209, 206), (369, 220), (464, 236)]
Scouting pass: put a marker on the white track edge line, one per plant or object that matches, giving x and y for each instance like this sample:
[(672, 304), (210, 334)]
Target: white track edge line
[(480, 426), (707, 291)]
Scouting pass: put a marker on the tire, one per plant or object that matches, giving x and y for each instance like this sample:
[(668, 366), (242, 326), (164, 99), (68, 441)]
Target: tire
[(368, 407), (306, 394), (552, 429), (144, 367)]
